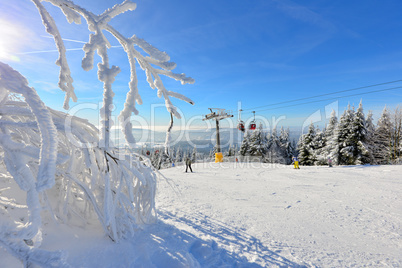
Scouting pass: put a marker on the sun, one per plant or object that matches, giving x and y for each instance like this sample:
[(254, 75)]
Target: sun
[(10, 40)]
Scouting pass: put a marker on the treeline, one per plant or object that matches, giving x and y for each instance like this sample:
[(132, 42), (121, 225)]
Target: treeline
[(354, 139), (160, 158), (271, 147)]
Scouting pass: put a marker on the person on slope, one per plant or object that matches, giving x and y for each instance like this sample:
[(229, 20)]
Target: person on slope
[(188, 164), (329, 162), (295, 162)]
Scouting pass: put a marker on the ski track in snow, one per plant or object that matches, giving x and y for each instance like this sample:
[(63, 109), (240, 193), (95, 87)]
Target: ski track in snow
[(245, 215)]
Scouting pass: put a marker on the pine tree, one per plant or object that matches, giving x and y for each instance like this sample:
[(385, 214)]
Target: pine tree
[(257, 143), (194, 155), (179, 155), (396, 142), (319, 144), (345, 147), (274, 151), (213, 152), (370, 127), (245, 144), (382, 139), (358, 138), (331, 137), (306, 147), (286, 146)]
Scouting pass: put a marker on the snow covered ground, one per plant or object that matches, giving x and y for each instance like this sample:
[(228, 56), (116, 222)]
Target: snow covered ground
[(248, 215)]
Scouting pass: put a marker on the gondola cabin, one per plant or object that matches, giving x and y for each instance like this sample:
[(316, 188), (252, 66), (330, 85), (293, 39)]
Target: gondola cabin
[(241, 127)]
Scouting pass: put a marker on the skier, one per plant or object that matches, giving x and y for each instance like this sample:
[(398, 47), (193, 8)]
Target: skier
[(188, 164), (295, 162), (329, 162)]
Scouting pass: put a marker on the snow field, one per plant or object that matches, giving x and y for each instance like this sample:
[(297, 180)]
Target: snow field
[(244, 215), (315, 216)]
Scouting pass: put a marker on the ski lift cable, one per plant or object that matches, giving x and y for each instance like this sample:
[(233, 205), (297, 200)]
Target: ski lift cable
[(322, 95), (340, 97)]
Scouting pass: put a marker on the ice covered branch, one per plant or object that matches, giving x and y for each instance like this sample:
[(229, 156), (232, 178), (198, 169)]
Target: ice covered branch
[(155, 63)]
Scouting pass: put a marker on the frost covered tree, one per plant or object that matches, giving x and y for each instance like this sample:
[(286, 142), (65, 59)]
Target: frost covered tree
[(358, 138), (350, 147), (178, 155), (319, 144), (396, 150), (194, 154), (257, 142), (59, 161), (231, 150), (345, 147), (306, 147), (383, 139), (331, 137), (287, 150), (245, 144), (370, 127)]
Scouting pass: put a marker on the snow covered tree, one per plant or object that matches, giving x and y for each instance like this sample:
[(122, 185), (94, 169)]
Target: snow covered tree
[(396, 151), (245, 144), (306, 148), (331, 137), (370, 127), (319, 144), (277, 148), (286, 146), (348, 146), (345, 147), (231, 150), (383, 139), (179, 155), (358, 138), (194, 154), (69, 172), (257, 143)]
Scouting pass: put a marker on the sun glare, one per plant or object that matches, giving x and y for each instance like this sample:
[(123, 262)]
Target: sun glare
[(11, 37)]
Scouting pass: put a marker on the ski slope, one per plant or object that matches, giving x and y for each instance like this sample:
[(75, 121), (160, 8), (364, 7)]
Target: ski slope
[(250, 215)]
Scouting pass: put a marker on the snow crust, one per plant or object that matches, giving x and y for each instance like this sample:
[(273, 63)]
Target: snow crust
[(259, 215)]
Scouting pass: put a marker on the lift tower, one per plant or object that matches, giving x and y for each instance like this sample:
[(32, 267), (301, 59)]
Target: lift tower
[(217, 114)]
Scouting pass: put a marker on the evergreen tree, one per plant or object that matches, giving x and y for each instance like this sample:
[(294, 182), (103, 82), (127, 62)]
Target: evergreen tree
[(274, 151), (382, 139), (257, 143), (344, 145), (231, 150), (370, 127), (396, 142), (306, 147), (194, 154), (358, 138), (286, 146), (245, 144), (179, 155), (212, 153), (331, 137), (319, 145)]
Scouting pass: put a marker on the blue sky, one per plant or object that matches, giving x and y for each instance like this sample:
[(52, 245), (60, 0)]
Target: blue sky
[(251, 52)]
